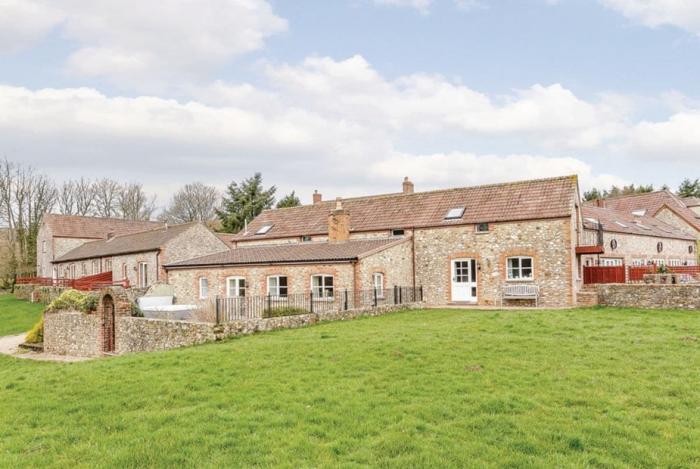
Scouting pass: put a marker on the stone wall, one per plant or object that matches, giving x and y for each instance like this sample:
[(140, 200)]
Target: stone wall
[(396, 263), (631, 248), (548, 242), (37, 294), (196, 241), (650, 296), (148, 335), (73, 333)]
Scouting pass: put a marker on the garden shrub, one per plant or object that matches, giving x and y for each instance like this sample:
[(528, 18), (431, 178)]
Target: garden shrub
[(283, 311), (36, 335), (74, 300)]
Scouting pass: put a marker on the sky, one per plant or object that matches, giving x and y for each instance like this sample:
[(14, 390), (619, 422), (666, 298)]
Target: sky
[(350, 96)]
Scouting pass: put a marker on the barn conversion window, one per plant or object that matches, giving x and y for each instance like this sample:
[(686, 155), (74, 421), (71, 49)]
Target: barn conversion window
[(203, 288), (398, 232), (455, 213), (143, 275), (520, 268), (263, 229), (277, 286), (378, 283), (235, 287), (482, 227), (322, 286)]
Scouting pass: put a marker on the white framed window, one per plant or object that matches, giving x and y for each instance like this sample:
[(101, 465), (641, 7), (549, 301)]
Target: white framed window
[(322, 286), (108, 265), (95, 267), (378, 284), (203, 288), (675, 262), (72, 271), (482, 227), (125, 273), (143, 275), (235, 287), (520, 268), (692, 262), (277, 286), (638, 262), (43, 246), (610, 262), (83, 269)]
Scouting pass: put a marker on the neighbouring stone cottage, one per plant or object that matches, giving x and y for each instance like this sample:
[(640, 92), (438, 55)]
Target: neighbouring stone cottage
[(140, 257)]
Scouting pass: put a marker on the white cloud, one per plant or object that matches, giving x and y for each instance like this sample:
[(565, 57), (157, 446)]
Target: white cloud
[(132, 41), (24, 22), (684, 14), (675, 140), (429, 103), (421, 5)]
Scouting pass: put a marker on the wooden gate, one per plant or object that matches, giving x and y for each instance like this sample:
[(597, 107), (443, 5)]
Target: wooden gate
[(108, 324), (599, 274)]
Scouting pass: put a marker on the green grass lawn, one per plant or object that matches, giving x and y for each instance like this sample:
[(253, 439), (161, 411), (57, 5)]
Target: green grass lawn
[(17, 316), (591, 387)]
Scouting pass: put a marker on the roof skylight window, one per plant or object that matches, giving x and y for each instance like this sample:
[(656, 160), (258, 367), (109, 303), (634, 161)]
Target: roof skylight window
[(455, 213), (263, 229), (592, 220), (622, 224), (639, 213)]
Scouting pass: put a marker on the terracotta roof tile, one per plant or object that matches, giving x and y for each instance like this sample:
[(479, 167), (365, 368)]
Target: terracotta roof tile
[(615, 221), (73, 226), (525, 200), (150, 240), (653, 202), (691, 201), (293, 253)]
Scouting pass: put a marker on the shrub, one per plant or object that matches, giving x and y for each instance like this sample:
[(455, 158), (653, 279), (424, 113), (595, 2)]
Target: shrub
[(74, 300), (36, 335), (283, 311), (136, 312)]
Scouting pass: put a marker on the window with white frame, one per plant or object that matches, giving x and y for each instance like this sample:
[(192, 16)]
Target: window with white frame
[(43, 246), (675, 262), (108, 265), (638, 262), (72, 271), (277, 286), (83, 269), (235, 287), (143, 275), (203, 288), (322, 286), (692, 263), (520, 268), (125, 273), (95, 267), (378, 284), (610, 262)]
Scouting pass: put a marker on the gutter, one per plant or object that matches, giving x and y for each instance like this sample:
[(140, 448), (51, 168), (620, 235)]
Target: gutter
[(259, 264)]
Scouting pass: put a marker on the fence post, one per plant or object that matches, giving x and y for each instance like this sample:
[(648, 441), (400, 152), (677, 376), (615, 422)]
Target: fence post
[(346, 299), (311, 301), (396, 296), (400, 296), (375, 297), (269, 303), (218, 310), (421, 293)]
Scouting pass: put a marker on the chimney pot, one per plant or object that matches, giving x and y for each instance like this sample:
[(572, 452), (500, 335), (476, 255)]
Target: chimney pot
[(407, 186), (317, 198)]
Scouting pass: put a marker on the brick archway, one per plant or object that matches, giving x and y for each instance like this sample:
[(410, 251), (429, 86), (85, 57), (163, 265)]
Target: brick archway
[(108, 324)]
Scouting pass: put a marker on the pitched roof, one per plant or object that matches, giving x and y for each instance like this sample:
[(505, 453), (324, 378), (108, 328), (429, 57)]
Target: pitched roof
[(73, 226), (293, 253), (691, 201), (653, 202), (150, 240), (524, 200), (615, 221)]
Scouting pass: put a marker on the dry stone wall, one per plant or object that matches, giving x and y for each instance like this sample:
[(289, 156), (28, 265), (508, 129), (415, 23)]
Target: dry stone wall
[(650, 296), (73, 333)]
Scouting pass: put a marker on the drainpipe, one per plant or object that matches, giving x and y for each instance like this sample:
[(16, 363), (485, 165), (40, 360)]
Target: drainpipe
[(413, 255)]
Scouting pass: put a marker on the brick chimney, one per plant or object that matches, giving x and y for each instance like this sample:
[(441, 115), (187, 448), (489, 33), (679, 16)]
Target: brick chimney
[(338, 223), (600, 203), (317, 198), (407, 186)]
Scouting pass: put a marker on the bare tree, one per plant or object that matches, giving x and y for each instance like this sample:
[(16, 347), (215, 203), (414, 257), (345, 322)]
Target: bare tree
[(84, 197), (107, 197), (134, 203), (25, 196), (65, 199), (193, 202)]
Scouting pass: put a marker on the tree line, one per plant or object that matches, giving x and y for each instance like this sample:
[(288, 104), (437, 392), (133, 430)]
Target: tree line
[(687, 188), (26, 194)]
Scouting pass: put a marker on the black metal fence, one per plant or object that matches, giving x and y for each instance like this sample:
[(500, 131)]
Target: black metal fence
[(257, 307)]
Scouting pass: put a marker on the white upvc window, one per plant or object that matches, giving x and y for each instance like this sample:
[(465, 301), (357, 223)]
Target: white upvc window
[(95, 267), (235, 287), (125, 272), (43, 246), (322, 286), (203, 288), (378, 284), (72, 271), (638, 262), (143, 275), (108, 265), (520, 268), (611, 262), (277, 286)]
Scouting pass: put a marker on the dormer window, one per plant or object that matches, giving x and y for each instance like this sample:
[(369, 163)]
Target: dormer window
[(263, 229), (455, 213)]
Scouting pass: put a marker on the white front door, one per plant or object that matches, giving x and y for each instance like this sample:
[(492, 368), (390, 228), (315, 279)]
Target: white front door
[(464, 280)]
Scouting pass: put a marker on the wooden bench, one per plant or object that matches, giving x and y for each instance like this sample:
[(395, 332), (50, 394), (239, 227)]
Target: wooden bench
[(521, 292)]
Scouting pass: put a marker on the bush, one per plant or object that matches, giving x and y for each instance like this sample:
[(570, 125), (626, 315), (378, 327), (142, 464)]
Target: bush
[(136, 312), (36, 335), (74, 300), (283, 311)]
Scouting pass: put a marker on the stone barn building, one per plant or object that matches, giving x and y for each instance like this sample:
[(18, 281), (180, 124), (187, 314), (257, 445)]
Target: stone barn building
[(140, 257)]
